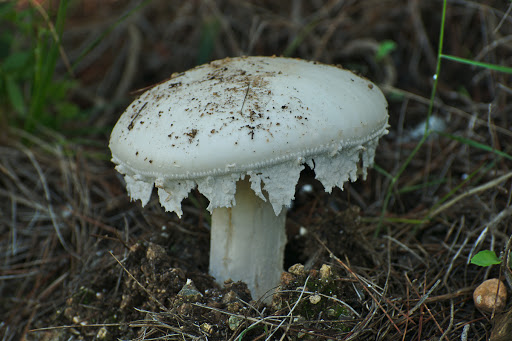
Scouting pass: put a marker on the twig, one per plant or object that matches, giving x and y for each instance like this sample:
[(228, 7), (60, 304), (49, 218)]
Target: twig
[(472, 191), (423, 305), (150, 295), (289, 315), (450, 325), (424, 298), (329, 297), (46, 190), (405, 247), (361, 282)]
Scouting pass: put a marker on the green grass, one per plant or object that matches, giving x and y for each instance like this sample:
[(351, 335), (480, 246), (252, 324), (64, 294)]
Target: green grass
[(31, 94), (428, 131), (494, 67)]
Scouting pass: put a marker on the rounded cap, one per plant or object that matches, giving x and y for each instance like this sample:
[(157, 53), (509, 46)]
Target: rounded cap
[(258, 116)]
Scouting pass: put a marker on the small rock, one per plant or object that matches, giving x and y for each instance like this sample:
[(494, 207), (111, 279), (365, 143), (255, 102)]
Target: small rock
[(297, 269), (190, 292), (234, 322), (103, 334), (230, 297), (325, 271), (155, 252), (314, 299), (207, 328), (126, 301), (491, 295), (303, 231)]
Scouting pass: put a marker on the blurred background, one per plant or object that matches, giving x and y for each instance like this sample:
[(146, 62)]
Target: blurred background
[(440, 191)]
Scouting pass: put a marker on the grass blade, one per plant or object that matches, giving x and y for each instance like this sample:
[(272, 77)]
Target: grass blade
[(494, 67)]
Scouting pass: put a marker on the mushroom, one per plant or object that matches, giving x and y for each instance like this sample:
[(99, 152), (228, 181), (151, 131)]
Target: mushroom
[(241, 130)]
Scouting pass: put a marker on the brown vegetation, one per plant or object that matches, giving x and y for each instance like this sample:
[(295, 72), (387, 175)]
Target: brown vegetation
[(80, 261)]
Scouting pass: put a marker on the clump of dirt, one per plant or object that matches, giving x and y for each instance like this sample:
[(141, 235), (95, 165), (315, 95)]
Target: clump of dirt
[(144, 295)]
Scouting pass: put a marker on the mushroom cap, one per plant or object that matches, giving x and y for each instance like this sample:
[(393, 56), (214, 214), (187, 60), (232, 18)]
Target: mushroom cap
[(259, 116)]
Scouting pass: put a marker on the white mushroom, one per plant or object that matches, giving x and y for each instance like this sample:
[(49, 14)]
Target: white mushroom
[(241, 130)]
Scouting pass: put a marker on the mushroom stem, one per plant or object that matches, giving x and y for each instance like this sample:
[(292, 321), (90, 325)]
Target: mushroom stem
[(247, 243)]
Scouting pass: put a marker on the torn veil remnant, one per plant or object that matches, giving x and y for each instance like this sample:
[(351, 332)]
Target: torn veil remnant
[(241, 130)]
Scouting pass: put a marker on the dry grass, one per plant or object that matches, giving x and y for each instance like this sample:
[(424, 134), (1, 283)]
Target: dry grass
[(63, 207)]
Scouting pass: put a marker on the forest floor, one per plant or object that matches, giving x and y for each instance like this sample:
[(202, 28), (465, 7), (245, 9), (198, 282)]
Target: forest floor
[(387, 258)]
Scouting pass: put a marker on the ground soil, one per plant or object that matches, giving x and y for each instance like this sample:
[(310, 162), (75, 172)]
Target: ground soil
[(385, 259)]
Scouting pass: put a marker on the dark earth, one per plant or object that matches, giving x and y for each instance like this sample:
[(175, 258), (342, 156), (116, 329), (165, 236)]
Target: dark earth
[(387, 258)]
